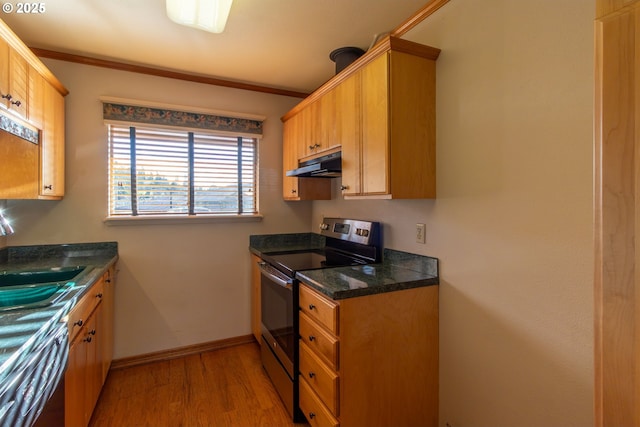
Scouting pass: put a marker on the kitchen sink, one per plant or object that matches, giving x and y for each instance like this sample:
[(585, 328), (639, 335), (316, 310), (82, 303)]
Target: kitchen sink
[(32, 277), (35, 288)]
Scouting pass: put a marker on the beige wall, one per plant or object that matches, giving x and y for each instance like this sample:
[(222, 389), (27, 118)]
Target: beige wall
[(512, 224), (178, 284)]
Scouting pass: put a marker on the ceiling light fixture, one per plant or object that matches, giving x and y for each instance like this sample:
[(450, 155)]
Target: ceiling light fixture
[(207, 15)]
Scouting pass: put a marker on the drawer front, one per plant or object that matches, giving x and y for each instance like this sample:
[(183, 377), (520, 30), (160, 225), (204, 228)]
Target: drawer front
[(317, 414), (81, 312), (319, 308), (318, 340), (322, 379)]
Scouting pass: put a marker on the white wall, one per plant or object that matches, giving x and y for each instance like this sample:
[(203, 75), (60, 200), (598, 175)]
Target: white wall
[(512, 223), (178, 284)]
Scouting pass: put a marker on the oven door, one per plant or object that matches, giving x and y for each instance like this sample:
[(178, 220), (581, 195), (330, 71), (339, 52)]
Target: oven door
[(279, 319)]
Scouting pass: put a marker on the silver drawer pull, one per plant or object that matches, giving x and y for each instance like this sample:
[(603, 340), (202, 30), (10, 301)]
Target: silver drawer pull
[(311, 306), (312, 338), (312, 374)]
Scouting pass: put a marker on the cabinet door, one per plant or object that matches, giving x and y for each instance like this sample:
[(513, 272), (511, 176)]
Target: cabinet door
[(4, 73), (329, 118), (81, 387), (349, 133), (52, 161), (18, 83), (290, 136), (256, 310), (36, 98), (375, 126), (74, 388), (309, 130), (318, 122), (106, 324), (93, 379), (299, 188), (325, 119)]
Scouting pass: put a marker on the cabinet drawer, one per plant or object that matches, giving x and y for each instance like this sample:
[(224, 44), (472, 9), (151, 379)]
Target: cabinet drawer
[(322, 379), (317, 414), (318, 340), (319, 308), (81, 312)]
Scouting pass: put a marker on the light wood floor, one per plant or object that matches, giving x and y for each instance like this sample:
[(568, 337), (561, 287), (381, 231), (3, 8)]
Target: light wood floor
[(226, 387)]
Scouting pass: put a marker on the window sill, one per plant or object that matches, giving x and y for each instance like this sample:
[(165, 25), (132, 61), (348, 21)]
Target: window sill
[(179, 219)]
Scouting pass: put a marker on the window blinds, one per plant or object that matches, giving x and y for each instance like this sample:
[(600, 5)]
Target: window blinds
[(158, 171)]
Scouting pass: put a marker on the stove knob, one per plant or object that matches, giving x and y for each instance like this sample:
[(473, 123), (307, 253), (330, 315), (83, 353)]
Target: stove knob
[(324, 226), (362, 232)]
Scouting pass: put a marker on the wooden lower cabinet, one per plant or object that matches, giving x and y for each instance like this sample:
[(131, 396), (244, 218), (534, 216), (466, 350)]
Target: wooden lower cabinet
[(315, 411), (82, 377), (90, 352), (371, 360), (256, 309)]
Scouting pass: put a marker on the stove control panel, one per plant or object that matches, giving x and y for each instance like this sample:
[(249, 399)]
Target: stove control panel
[(352, 230)]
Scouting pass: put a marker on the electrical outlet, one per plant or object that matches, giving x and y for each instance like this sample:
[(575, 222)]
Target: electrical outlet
[(421, 233)]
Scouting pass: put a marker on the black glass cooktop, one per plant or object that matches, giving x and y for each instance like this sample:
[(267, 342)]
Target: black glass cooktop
[(290, 262), (301, 260)]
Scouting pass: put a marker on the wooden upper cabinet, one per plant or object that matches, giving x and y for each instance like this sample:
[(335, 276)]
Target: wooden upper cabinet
[(35, 106), (32, 98), (349, 131), (374, 150), (324, 123), (14, 72), (4, 73), (308, 130), (52, 146), (18, 84), (317, 130), (380, 112), (294, 188), (291, 135), (606, 7), (395, 154)]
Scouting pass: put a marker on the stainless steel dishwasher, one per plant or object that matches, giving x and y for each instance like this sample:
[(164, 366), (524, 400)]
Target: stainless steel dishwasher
[(24, 394)]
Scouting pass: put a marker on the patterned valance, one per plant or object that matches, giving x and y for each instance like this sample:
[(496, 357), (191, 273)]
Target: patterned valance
[(168, 117), (19, 130)]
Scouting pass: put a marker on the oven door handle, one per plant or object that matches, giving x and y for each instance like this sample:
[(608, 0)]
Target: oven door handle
[(267, 270)]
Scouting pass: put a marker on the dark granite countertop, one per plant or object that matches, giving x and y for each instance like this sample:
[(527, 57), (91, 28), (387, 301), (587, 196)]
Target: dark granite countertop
[(21, 330), (398, 270), (269, 243)]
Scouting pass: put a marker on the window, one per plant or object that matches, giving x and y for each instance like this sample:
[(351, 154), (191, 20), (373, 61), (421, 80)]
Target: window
[(166, 162), (157, 171)]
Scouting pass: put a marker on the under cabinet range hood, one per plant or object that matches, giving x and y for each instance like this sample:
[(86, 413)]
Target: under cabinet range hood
[(328, 166)]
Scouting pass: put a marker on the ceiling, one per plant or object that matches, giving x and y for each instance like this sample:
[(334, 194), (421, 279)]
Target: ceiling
[(282, 44)]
